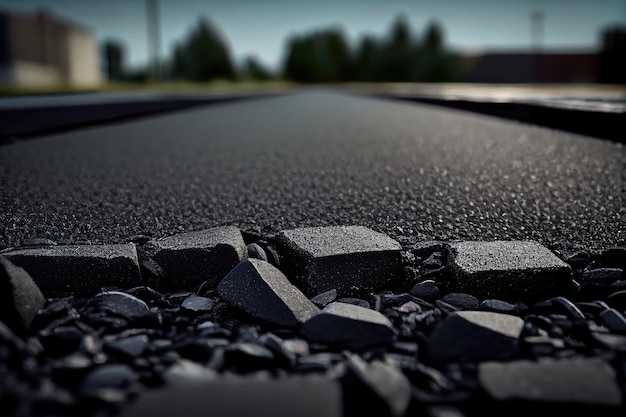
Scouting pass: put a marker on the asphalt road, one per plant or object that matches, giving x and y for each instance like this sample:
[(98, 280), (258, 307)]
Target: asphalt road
[(317, 158)]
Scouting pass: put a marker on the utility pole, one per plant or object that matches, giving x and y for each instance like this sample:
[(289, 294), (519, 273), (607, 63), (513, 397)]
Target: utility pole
[(154, 41), (536, 33)]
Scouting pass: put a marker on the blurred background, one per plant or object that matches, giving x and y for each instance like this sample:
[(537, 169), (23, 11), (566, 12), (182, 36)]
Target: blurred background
[(68, 45)]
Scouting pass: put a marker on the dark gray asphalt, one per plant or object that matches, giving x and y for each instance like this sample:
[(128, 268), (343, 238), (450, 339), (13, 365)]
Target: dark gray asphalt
[(317, 158)]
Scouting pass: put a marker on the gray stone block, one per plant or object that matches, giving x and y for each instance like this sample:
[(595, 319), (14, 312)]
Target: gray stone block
[(507, 270), (350, 259), (241, 397), (573, 382), (79, 270), (191, 258), (261, 290)]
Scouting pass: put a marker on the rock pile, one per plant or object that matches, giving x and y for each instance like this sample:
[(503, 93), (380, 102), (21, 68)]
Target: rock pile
[(324, 321)]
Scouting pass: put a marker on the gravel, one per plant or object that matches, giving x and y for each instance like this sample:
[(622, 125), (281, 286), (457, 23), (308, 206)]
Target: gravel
[(255, 344)]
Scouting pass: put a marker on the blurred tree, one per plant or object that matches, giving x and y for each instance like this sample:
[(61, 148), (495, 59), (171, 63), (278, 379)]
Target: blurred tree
[(114, 55), (203, 56), (367, 65), (399, 60), (323, 56), (255, 70), (613, 55), (440, 65)]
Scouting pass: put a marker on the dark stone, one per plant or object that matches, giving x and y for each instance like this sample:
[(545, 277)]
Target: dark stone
[(197, 305), (20, 298), (261, 290), (573, 382), (445, 307), (613, 320), (241, 397), (106, 380), (191, 258), (325, 298), (257, 252), (614, 257), (318, 362), (284, 355), (131, 346), (81, 271), (349, 326), (433, 261), (378, 387), (567, 307), (61, 341), (579, 259), (475, 335), (461, 301), (603, 276), (320, 258), (427, 290), (152, 274), (120, 304), (507, 270), (617, 300), (148, 295), (394, 300), (540, 345), (354, 301), (497, 306), (248, 357), (409, 307)]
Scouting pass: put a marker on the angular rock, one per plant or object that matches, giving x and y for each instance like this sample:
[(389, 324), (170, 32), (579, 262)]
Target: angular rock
[(20, 298), (349, 326), (261, 290), (475, 335), (191, 258), (79, 270), (573, 382), (344, 258), (241, 397), (378, 387), (507, 270)]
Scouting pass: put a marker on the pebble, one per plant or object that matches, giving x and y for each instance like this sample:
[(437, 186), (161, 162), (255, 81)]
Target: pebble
[(427, 290)]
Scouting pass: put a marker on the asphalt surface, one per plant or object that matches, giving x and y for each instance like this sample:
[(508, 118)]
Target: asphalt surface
[(317, 158)]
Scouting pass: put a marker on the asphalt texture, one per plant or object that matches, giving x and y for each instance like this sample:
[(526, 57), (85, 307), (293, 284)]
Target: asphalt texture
[(316, 158)]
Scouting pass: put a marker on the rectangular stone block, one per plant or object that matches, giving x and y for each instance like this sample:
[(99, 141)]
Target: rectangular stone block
[(350, 259), (230, 397), (507, 270), (79, 270), (191, 258)]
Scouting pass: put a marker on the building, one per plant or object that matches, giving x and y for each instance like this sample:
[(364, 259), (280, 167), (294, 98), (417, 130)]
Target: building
[(528, 67), (40, 49)]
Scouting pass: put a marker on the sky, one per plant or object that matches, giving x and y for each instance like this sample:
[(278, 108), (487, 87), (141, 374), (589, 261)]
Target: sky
[(261, 28)]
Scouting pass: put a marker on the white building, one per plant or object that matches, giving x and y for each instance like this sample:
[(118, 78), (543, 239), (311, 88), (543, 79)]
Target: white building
[(41, 50)]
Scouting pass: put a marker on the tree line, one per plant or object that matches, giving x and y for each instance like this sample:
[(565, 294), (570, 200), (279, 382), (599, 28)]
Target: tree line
[(326, 56), (323, 56)]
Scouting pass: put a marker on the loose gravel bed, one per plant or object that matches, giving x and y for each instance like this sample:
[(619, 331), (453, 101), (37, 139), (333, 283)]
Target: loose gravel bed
[(331, 321)]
